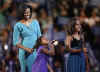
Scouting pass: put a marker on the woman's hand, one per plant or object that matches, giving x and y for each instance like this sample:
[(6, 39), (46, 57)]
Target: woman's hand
[(30, 50)]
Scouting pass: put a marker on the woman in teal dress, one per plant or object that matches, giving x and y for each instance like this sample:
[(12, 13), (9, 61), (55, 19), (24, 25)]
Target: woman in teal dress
[(25, 35)]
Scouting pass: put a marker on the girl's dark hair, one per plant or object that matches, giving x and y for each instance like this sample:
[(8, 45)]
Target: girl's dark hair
[(38, 42), (25, 7), (71, 28)]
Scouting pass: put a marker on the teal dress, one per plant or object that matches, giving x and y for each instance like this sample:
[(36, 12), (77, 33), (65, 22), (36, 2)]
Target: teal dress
[(27, 36)]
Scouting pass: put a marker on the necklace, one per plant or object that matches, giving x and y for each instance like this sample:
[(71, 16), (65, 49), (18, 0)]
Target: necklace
[(27, 23)]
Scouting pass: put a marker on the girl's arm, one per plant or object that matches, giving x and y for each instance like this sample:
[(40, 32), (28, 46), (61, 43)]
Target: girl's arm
[(49, 52), (68, 44), (86, 58), (49, 68), (85, 54)]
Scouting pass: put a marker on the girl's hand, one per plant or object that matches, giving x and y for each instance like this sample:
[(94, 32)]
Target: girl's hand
[(75, 50), (51, 46), (86, 57), (85, 50), (87, 67)]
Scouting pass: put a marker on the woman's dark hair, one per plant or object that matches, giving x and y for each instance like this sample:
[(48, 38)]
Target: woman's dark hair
[(38, 42), (25, 7), (71, 29)]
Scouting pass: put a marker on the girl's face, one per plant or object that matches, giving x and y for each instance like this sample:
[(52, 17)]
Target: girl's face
[(44, 40), (78, 26), (27, 13)]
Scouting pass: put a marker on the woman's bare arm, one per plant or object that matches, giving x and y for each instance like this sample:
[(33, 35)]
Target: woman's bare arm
[(24, 48)]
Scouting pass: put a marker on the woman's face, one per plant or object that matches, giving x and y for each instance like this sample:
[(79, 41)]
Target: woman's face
[(27, 13), (78, 26), (44, 40)]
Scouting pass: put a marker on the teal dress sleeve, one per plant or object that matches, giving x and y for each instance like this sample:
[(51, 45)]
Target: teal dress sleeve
[(38, 29), (16, 35)]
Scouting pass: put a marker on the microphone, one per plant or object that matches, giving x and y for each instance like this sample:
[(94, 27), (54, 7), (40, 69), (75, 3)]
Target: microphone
[(55, 42)]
